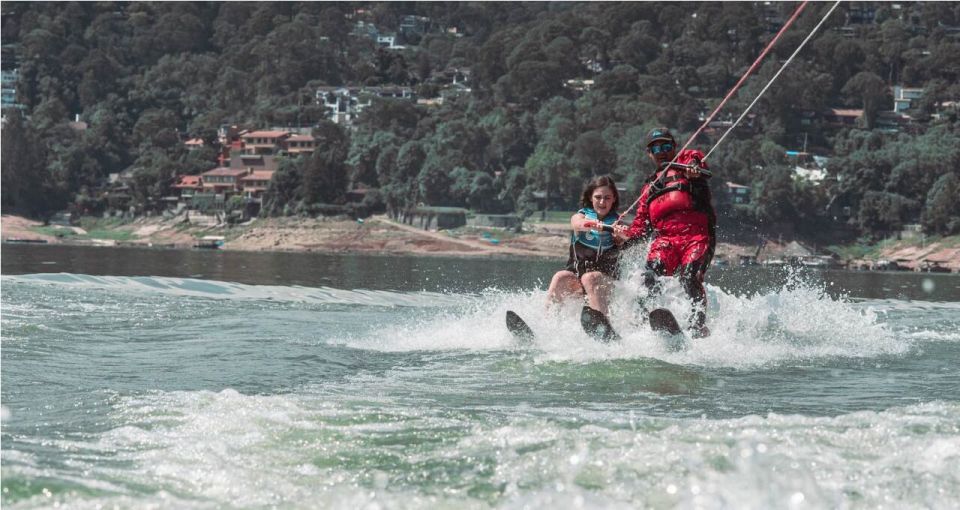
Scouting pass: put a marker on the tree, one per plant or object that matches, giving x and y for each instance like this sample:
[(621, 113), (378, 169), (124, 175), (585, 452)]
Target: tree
[(156, 128), (434, 182), (534, 81), (893, 39), (872, 92), (142, 74), (153, 174), (398, 116), (365, 149), (27, 186), (592, 155), (401, 188), (774, 197), (284, 189), (620, 80), (941, 212), (325, 176), (882, 212)]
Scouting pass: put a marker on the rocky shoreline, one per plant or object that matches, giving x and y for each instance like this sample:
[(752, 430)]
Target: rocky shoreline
[(380, 235), (376, 235)]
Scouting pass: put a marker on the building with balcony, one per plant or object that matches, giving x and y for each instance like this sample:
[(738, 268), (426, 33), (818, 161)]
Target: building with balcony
[(842, 117), (223, 180), (255, 183), (905, 97), (9, 91), (188, 185), (738, 193), (300, 144), (345, 104), (263, 142)]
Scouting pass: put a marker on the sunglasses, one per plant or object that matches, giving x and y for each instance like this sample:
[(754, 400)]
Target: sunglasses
[(663, 147)]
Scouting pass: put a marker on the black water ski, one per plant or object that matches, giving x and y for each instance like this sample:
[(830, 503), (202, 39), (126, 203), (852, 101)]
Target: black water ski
[(597, 325), (521, 331), (662, 320)]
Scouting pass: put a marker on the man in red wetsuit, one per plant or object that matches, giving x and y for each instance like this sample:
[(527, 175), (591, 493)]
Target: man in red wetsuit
[(676, 209)]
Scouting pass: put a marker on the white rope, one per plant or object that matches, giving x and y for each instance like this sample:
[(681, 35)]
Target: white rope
[(784, 66)]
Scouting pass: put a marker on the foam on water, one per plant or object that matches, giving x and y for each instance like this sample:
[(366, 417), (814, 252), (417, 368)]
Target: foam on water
[(796, 322), (338, 447), (418, 399)]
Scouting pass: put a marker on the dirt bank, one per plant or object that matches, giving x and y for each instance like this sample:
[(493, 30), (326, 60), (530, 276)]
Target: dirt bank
[(380, 235), (375, 235)]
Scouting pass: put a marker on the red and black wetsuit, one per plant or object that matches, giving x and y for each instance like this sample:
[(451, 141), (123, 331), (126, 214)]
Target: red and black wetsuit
[(679, 213)]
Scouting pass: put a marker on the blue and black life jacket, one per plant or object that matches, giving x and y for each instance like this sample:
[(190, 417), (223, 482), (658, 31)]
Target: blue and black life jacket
[(598, 241)]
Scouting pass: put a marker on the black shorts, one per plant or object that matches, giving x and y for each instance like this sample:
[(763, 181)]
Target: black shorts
[(584, 259)]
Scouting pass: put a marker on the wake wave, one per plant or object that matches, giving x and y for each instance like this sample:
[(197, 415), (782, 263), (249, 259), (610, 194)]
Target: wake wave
[(796, 322), (211, 289)]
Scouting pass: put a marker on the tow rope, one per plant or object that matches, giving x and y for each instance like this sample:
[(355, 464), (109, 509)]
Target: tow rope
[(736, 87), (775, 76)]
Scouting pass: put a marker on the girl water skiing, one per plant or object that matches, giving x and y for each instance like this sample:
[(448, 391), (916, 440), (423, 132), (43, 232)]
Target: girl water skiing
[(594, 252)]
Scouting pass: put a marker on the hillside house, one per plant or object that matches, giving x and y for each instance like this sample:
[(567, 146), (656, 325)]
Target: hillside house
[(738, 193), (255, 183), (345, 104), (892, 122), (807, 167), (842, 117), (414, 25), (8, 94), (223, 180), (188, 185), (194, 144), (905, 97), (300, 144), (389, 42), (264, 142)]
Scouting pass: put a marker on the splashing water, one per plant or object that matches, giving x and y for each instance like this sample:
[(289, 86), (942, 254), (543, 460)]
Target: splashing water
[(186, 393)]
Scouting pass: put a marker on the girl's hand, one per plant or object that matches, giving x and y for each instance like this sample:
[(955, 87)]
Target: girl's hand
[(620, 232)]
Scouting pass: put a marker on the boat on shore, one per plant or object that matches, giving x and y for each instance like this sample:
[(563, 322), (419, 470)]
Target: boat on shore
[(209, 242)]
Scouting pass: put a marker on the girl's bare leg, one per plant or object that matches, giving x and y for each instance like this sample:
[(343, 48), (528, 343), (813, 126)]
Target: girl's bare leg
[(598, 287), (563, 285)]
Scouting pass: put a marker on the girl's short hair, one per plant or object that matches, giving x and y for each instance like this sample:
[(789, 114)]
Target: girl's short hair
[(599, 182)]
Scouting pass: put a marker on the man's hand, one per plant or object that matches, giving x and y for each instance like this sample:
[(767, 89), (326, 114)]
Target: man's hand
[(693, 171)]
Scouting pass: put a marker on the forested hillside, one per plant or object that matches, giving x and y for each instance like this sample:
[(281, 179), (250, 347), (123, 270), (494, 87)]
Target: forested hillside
[(144, 77)]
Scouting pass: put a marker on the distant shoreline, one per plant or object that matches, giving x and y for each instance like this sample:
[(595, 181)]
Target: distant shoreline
[(377, 235), (381, 236)]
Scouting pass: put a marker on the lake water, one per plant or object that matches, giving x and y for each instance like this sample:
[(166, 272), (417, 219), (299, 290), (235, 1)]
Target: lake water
[(203, 379)]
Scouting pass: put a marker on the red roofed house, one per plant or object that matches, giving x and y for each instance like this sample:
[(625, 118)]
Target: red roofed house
[(263, 142), (223, 180), (260, 150), (194, 143), (300, 144), (254, 184), (187, 185), (842, 117)]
